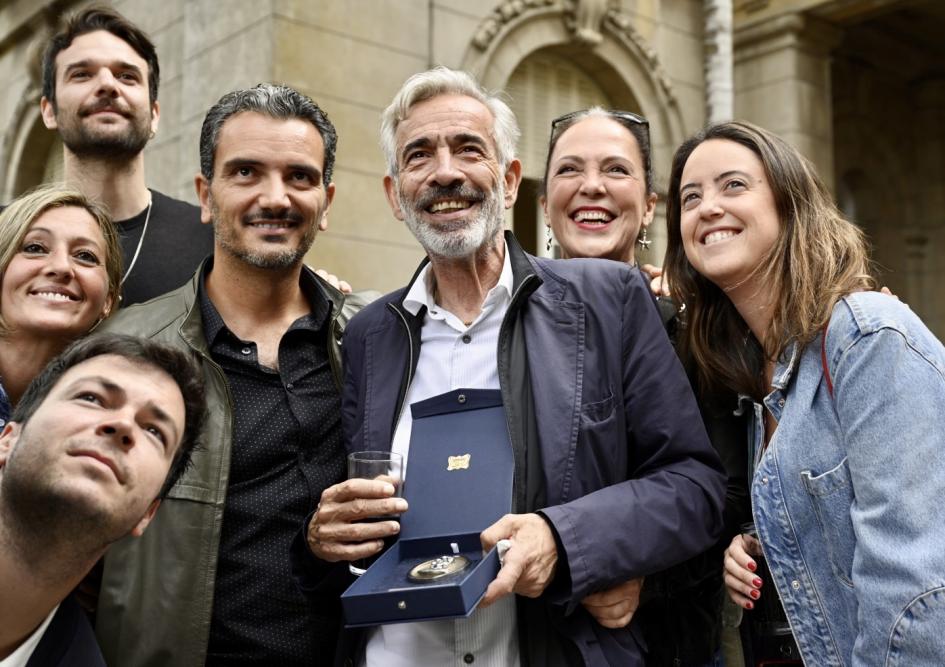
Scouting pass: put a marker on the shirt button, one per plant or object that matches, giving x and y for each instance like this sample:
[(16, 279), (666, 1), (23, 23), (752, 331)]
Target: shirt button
[(468, 658), (764, 480), (289, 386), (795, 584), (467, 339), (247, 350), (780, 402)]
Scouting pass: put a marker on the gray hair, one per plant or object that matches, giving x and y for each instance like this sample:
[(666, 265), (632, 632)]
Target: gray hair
[(444, 81), (272, 100)]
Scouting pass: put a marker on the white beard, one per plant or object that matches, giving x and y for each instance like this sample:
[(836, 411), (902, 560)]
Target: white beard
[(461, 237)]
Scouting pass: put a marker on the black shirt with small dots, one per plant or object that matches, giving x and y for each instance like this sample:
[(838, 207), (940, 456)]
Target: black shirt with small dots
[(287, 448)]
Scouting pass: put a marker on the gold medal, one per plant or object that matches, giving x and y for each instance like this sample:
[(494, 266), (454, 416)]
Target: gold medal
[(437, 568)]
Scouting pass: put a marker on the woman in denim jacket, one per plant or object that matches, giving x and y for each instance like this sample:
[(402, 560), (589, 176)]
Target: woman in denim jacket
[(849, 490)]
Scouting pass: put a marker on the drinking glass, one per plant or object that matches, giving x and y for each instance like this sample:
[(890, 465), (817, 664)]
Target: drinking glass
[(383, 466), (770, 632)]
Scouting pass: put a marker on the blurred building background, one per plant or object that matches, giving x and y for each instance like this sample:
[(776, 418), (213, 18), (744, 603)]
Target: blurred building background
[(857, 85)]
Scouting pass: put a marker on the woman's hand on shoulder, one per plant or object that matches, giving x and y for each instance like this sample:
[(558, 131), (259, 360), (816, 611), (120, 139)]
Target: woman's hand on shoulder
[(333, 280), (658, 285)]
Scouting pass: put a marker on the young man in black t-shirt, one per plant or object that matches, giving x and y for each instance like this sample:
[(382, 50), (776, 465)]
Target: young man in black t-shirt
[(100, 85)]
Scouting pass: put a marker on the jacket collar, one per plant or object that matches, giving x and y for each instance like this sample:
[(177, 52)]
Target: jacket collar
[(523, 268), (191, 328), (422, 293), (787, 364), (783, 372)]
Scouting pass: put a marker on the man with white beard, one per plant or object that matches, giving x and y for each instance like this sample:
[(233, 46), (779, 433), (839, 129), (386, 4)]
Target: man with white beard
[(614, 477)]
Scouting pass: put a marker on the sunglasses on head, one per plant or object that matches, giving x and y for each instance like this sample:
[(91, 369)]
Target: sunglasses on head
[(627, 116)]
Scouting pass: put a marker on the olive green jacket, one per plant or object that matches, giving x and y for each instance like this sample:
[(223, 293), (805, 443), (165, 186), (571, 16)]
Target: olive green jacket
[(157, 590)]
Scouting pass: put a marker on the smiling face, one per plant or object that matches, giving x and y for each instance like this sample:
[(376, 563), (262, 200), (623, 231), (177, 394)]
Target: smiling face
[(97, 449), (450, 188), (728, 220), (102, 106), (268, 198), (56, 285), (596, 200)]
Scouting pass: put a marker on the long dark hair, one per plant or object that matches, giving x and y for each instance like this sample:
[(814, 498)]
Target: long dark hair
[(818, 258)]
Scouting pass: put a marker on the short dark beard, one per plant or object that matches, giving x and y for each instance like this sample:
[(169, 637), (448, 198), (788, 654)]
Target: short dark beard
[(116, 147), (275, 260), (45, 526)]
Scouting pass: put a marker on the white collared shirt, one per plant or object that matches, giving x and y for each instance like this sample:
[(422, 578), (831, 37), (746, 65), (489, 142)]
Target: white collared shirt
[(24, 651), (452, 355)]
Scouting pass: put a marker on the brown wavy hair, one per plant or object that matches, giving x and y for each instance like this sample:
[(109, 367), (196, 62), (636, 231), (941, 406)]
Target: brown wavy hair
[(818, 258)]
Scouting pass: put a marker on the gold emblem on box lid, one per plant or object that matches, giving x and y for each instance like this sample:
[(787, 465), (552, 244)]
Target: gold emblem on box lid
[(458, 462), (437, 568)]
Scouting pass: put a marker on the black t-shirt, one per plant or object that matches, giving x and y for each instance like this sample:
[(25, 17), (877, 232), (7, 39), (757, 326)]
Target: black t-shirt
[(174, 245)]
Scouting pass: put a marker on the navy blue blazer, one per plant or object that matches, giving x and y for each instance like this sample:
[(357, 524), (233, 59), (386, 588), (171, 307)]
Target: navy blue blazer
[(68, 641), (609, 444)]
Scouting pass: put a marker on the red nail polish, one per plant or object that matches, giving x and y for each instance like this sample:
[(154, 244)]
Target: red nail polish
[(749, 605), (751, 565), (756, 582), (754, 594)]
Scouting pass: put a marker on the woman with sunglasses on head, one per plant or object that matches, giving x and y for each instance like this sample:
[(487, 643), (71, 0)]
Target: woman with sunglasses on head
[(848, 392), (60, 268), (598, 200)]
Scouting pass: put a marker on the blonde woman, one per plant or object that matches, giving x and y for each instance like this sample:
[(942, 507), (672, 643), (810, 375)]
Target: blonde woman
[(60, 269), (849, 400)]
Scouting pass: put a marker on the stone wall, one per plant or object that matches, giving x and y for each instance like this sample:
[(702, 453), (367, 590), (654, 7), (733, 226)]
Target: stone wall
[(351, 56), (857, 86)]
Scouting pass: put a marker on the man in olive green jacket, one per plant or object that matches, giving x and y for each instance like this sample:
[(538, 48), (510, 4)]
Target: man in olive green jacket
[(208, 586)]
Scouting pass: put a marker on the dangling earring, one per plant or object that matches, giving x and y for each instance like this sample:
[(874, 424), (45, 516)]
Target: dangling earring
[(643, 241), (550, 238)]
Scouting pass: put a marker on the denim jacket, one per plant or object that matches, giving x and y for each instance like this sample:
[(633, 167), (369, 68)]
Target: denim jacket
[(849, 496)]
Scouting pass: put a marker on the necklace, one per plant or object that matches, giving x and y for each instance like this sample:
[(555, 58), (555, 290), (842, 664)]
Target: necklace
[(144, 230)]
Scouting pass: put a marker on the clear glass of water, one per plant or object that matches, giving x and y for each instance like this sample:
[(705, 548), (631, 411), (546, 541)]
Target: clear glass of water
[(382, 466)]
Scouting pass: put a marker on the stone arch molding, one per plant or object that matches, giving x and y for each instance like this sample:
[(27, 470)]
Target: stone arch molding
[(20, 149), (26, 142), (600, 30)]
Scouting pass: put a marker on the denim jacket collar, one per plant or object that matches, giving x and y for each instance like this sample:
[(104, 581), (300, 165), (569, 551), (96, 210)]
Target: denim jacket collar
[(786, 366)]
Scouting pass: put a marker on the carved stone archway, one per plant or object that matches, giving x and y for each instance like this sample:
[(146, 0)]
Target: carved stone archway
[(27, 144), (599, 37)]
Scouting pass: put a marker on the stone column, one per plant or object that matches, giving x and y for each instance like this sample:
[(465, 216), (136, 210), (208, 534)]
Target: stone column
[(220, 47), (782, 79), (719, 95), (930, 150), (925, 266)]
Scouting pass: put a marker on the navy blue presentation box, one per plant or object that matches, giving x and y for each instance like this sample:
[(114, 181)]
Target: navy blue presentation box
[(458, 483)]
